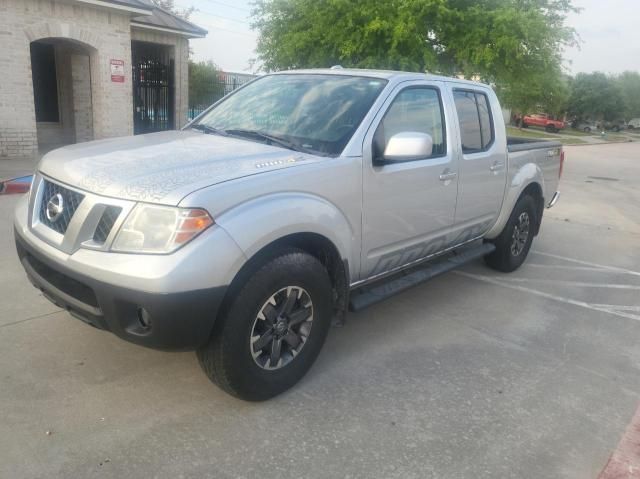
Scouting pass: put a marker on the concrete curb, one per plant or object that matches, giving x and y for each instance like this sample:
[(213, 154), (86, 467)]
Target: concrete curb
[(624, 463)]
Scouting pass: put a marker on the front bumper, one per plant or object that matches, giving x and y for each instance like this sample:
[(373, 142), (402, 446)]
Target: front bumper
[(175, 321)]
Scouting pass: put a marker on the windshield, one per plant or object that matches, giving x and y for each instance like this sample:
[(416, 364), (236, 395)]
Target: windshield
[(316, 113)]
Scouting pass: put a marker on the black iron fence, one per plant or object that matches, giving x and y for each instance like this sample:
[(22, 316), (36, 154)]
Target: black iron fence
[(213, 90), (153, 90)]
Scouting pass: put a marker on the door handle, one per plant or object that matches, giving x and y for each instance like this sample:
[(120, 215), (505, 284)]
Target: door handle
[(496, 166), (448, 176)]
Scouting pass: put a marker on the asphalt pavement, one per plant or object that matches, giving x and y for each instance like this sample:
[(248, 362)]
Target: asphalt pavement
[(475, 374)]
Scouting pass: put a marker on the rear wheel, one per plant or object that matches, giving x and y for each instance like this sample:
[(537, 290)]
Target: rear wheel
[(273, 330), (587, 129), (551, 128), (514, 242)]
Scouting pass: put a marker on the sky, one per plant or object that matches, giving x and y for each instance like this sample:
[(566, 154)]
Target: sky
[(609, 31)]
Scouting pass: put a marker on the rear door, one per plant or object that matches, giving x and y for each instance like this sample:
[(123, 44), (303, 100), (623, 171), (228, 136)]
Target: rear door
[(482, 161), (408, 207)]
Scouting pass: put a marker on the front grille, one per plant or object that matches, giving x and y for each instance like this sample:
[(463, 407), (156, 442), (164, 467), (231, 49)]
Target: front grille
[(105, 224), (64, 283), (70, 202)]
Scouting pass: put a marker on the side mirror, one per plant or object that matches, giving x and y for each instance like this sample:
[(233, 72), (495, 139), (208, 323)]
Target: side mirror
[(410, 145)]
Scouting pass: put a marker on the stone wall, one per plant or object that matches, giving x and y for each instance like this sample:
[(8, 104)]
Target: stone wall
[(104, 34), (82, 105)]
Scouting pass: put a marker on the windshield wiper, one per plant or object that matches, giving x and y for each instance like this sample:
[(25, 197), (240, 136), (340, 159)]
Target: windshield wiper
[(266, 137), (209, 129)]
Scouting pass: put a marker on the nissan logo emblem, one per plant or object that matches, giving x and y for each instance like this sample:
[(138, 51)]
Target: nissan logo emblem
[(55, 207)]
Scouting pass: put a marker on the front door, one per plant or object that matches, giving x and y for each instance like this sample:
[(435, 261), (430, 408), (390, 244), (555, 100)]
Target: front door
[(482, 165), (408, 207)]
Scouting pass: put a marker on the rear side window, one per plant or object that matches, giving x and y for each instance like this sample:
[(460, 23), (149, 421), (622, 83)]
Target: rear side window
[(414, 109), (474, 116)]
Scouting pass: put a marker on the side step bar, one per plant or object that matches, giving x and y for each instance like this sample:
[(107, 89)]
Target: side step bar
[(369, 295)]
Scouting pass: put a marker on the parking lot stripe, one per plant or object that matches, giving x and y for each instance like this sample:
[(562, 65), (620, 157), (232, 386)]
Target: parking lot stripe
[(580, 284), (587, 263), (568, 267), (555, 297)]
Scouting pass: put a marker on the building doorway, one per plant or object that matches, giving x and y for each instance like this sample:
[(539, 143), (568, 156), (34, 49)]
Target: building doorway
[(61, 75), (153, 87)]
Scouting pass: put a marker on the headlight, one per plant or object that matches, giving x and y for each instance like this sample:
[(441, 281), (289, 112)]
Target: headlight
[(159, 229)]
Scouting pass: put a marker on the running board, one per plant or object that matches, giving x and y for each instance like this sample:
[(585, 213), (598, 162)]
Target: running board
[(369, 295)]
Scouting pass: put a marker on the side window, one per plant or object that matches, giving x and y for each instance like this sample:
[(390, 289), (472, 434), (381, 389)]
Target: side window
[(413, 109), (486, 127), (474, 116)]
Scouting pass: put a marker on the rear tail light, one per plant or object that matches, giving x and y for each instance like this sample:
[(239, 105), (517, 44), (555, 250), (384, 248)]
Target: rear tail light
[(561, 164)]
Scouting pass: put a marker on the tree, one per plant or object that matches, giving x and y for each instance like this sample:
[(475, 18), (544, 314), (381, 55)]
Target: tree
[(169, 5), (595, 96), (629, 86), (514, 44), (205, 86)]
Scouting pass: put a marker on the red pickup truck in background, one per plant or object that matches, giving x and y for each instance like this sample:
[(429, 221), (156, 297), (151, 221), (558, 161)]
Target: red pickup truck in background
[(544, 121)]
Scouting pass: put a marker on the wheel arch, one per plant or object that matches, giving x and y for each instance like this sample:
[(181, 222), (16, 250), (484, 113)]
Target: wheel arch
[(314, 244), (534, 190), (528, 180)]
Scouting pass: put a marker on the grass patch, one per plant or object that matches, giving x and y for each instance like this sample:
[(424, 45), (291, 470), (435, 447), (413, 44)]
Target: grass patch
[(527, 133), (571, 141), (609, 137), (572, 132)]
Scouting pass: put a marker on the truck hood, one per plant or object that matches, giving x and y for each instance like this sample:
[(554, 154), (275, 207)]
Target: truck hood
[(164, 167)]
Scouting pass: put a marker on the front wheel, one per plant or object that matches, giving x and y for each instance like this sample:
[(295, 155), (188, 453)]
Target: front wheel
[(551, 128), (273, 330), (514, 242)]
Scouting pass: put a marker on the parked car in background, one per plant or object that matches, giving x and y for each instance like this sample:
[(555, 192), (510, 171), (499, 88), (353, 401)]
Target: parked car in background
[(586, 126), (543, 120), (633, 124), (615, 125)]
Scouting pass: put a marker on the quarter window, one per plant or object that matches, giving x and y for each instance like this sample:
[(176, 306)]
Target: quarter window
[(416, 109), (474, 117)]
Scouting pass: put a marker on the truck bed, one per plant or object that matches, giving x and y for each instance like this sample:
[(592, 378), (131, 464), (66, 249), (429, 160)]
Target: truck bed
[(516, 143)]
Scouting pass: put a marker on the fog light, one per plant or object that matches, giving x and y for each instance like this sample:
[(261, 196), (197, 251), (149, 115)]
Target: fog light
[(144, 317)]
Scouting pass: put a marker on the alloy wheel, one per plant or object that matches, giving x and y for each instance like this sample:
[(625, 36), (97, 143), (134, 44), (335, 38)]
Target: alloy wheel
[(281, 328), (520, 234)]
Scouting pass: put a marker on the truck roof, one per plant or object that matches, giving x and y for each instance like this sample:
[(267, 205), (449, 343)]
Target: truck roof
[(385, 74)]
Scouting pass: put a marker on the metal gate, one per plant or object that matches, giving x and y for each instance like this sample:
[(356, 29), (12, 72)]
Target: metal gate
[(153, 88)]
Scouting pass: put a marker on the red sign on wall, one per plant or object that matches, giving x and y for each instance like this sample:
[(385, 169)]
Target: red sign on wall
[(117, 71)]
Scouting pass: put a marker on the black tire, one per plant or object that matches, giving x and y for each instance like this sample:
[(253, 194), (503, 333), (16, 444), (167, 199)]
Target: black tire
[(587, 129), (551, 128), (509, 256), (228, 358), (524, 125)]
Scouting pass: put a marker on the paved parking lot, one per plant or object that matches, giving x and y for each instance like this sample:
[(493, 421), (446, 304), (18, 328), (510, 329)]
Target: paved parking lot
[(475, 374)]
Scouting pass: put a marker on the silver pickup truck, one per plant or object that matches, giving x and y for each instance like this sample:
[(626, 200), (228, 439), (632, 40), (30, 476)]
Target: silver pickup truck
[(298, 197)]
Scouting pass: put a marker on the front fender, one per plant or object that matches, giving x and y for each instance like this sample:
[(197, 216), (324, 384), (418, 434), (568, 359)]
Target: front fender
[(263, 220), (526, 175)]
